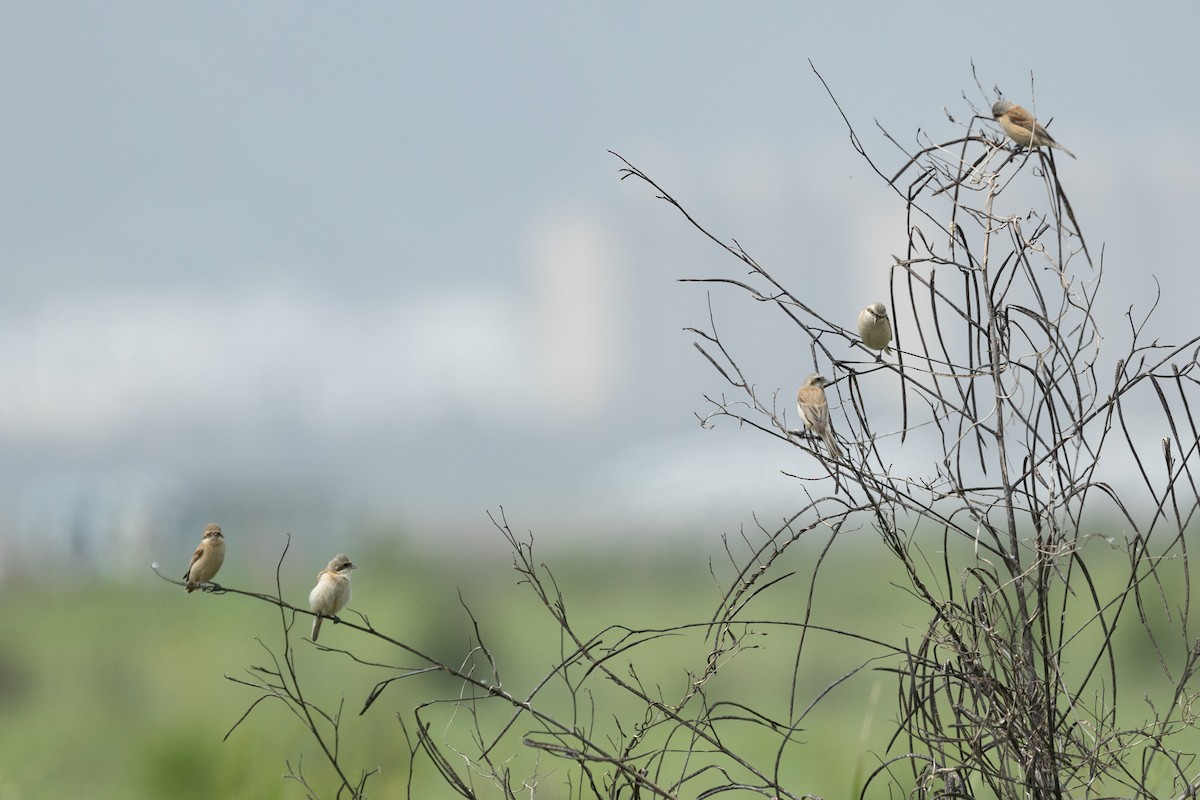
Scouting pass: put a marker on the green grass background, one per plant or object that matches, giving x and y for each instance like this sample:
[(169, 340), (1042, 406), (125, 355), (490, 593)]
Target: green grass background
[(116, 689)]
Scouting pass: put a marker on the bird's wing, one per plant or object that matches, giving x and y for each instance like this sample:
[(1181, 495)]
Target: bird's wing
[(195, 557)]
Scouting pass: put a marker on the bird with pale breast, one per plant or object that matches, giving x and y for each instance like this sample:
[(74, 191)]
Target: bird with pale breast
[(875, 329), (814, 410), (332, 592), (207, 559), (1020, 126)]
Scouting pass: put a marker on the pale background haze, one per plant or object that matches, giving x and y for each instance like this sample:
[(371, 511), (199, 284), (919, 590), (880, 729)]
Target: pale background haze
[(319, 267)]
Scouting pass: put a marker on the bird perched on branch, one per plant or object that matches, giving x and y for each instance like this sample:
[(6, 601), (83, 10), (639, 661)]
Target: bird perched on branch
[(1022, 128), (207, 559), (875, 329), (332, 592), (814, 410)]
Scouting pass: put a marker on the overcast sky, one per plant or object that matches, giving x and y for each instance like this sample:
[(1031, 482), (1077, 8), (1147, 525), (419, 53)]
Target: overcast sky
[(379, 254)]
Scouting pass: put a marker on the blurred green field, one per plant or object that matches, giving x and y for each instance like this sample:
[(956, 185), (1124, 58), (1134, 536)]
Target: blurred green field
[(117, 689)]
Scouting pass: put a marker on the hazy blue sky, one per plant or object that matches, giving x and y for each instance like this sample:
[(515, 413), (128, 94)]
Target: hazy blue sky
[(378, 253)]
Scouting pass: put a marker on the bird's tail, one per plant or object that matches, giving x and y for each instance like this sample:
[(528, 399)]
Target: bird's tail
[(831, 443), (316, 626)]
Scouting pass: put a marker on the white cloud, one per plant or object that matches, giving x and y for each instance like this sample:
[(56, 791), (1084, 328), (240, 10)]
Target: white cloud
[(86, 366)]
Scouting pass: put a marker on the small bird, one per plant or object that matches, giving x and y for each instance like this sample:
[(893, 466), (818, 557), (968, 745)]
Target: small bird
[(875, 329), (1022, 128), (814, 410), (207, 559), (332, 592)]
